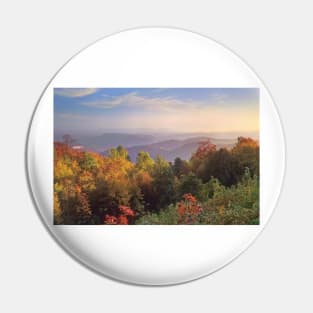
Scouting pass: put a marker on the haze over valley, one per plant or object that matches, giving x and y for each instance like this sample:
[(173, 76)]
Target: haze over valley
[(167, 144)]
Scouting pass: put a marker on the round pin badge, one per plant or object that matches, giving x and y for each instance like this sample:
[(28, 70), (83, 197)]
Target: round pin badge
[(155, 156)]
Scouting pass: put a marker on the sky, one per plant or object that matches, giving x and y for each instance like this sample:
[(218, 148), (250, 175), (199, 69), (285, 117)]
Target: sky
[(186, 110)]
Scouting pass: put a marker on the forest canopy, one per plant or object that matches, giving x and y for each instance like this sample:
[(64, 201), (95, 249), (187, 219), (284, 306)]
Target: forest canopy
[(215, 186)]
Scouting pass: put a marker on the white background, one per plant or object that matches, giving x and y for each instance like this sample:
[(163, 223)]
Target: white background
[(37, 37)]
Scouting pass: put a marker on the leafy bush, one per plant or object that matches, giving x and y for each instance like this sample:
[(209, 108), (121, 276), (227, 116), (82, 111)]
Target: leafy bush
[(234, 205), (169, 216)]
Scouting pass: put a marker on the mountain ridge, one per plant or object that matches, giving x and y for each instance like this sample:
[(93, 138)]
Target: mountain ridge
[(170, 149)]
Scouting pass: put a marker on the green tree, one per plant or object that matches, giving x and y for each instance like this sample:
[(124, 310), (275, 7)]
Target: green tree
[(192, 184), (163, 183), (180, 167), (144, 161), (88, 162), (119, 152), (219, 164)]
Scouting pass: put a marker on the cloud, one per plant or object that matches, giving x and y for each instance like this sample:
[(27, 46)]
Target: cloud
[(74, 92), (134, 100), (209, 119), (223, 111)]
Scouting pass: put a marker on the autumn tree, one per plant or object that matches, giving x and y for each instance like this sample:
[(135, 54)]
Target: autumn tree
[(204, 151), (227, 165), (246, 152), (57, 210), (144, 181)]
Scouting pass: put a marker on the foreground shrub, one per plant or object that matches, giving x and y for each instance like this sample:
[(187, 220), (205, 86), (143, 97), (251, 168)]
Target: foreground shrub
[(236, 205)]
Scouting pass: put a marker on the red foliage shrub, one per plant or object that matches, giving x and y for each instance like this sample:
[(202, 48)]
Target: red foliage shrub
[(189, 197), (122, 219), (126, 210), (188, 209), (110, 220), (205, 147)]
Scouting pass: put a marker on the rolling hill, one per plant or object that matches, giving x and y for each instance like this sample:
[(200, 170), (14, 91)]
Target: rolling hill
[(170, 149), (169, 146)]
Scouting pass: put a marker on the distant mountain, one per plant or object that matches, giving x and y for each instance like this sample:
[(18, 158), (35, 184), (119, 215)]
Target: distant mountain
[(108, 140), (180, 145), (170, 149)]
